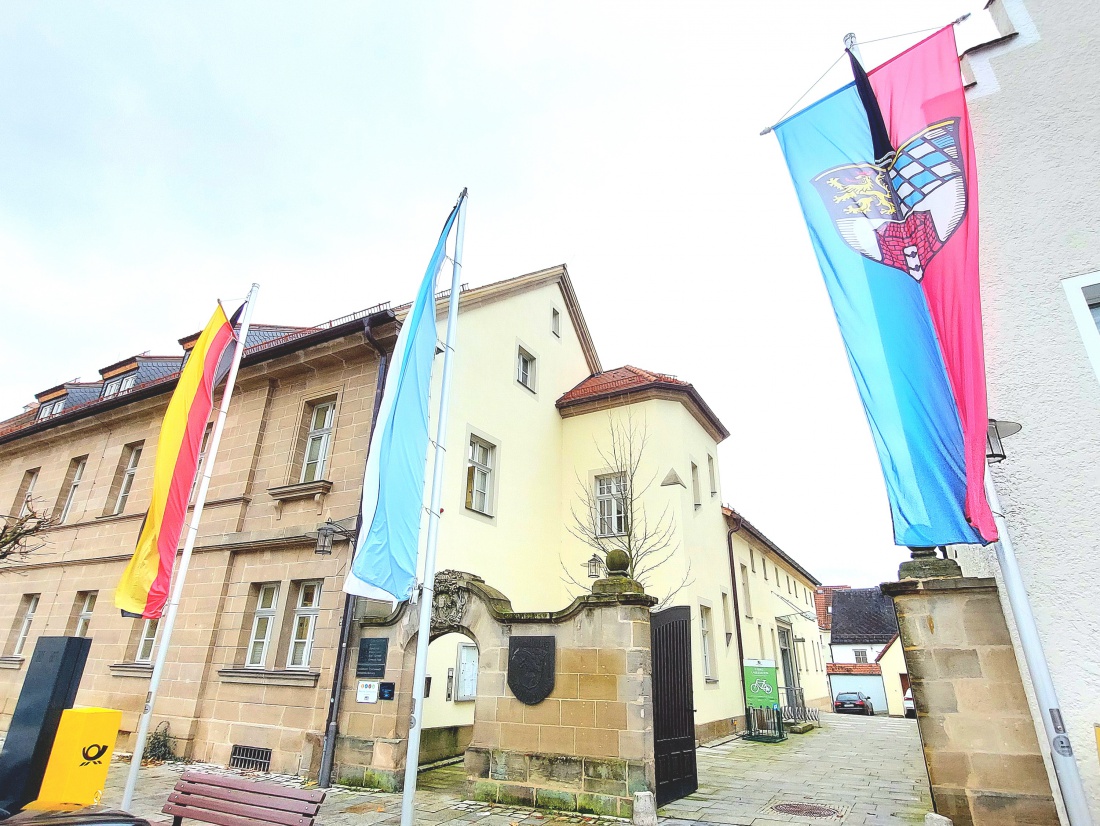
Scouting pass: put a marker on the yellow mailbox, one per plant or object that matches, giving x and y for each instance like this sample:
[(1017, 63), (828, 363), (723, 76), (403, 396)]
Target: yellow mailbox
[(80, 758)]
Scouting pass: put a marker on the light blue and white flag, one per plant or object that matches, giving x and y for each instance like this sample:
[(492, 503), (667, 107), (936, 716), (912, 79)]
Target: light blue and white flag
[(384, 566)]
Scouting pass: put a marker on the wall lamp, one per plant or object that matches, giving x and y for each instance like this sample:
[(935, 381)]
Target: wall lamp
[(327, 532), (998, 430)]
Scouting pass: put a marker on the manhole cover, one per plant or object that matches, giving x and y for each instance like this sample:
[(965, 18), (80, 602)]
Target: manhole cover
[(805, 809)]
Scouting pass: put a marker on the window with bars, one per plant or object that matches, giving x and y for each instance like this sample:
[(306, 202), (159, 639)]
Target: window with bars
[(131, 455), (525, 369), (467, 672), (263, 619), (28, 608), (252, 758), (306, 608), (611, 515), (72, 483), (479, 476), (318, 441), (85, 601), (146, 641)]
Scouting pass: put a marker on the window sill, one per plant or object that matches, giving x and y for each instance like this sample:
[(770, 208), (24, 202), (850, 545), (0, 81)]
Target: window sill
[(258, 676), (131, 670), (711, 681), (528, 388), (108, 517), (317, 491), (476, 512), (11, 662)]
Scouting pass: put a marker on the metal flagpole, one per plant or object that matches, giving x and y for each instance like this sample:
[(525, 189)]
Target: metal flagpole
[(408, 809), (169, 618), (1061, 752)]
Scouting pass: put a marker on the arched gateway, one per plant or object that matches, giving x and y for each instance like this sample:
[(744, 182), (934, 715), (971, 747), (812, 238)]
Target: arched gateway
[(564, 712)]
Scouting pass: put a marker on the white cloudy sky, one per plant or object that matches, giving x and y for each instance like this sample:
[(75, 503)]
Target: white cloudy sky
[(156, 156)]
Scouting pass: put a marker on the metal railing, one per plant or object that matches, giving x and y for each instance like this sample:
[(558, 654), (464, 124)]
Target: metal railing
[(793, 704), (764, 725)]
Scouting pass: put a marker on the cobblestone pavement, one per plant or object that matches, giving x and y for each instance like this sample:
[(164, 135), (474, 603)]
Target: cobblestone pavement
[(869, 769)]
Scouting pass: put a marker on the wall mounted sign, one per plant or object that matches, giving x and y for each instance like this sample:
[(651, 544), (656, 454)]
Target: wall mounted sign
[(372, 658), (367, 691), (385, 691), (531, 668)]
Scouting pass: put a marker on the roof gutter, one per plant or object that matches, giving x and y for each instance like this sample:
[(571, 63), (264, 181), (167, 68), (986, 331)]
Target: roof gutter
[(737, 611)]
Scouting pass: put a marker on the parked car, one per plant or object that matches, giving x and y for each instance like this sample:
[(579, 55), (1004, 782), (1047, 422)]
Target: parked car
[(853, 702), (907, 703)]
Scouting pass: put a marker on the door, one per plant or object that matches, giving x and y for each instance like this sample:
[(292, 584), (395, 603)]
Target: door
[(673, 704), (790, 673)]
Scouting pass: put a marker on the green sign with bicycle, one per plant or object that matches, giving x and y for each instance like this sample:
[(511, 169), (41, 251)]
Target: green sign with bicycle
[(761, 683)]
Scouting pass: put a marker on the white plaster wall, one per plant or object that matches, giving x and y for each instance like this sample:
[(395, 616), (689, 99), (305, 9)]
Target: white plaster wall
[(846, 653), (1036, 141), (869, 684)]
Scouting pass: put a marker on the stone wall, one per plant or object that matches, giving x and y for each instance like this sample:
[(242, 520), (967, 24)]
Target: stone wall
[(587, 747), (979, 740)]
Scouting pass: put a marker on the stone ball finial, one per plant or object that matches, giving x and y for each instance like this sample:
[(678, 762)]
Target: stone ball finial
[(617, 562)]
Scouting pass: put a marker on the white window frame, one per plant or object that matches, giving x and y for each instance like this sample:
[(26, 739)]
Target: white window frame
[(264, 614), (78, 475), (84, 616), (727, 616), (28, 495), (25, 625), (119, 385), (50, 409), (860, 652), (611, 496), (747, 592), (147, 641), (309, 612), (202, 456), (705, 631), (461, 670), (696, 491), (1075, 288), (555, 322), (713, 476), (321, 436), (526, 369), (479, 469), (128, 478)]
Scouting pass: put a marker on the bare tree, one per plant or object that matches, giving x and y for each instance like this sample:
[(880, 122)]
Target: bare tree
[(21, 536), (610, 514)]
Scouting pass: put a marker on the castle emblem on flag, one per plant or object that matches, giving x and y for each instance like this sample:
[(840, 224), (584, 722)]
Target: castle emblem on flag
[(903, 212)]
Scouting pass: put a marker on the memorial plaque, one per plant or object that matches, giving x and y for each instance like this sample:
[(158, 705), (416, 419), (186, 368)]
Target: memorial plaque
[(531, 668), (372, 658)]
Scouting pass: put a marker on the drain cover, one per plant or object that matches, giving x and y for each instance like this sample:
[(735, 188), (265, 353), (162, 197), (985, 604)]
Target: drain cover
[(805, 809)]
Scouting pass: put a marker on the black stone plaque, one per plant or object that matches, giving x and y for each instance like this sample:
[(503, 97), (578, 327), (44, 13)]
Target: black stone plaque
[(372, 658), (531, 668), (49, 688), (385, 691)]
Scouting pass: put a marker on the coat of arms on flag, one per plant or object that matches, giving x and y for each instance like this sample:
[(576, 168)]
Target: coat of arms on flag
[(901, 214)]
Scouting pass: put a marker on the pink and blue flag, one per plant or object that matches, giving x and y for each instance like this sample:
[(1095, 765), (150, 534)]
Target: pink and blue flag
[(885, 173)]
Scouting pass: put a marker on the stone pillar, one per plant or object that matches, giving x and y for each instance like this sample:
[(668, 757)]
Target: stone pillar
[(979, 740)]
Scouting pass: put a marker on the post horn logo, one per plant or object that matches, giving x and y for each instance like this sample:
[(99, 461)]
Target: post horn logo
[(93, 753)]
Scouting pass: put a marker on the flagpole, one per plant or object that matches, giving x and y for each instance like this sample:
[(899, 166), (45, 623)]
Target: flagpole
[(412, 757), (169, 618), (1061, 752)]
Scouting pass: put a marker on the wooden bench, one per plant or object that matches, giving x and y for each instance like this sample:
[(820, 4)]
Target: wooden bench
[(233, 801)]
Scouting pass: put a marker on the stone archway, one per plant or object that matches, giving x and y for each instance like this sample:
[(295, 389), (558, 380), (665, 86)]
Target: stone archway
[(587, 746)]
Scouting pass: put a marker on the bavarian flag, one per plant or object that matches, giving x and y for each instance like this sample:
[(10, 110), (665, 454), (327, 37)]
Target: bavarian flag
[(884, 170), (143, 589)]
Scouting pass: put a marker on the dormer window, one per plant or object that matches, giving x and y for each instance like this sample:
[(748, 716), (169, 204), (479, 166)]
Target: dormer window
[(50, 409), (118, 386)]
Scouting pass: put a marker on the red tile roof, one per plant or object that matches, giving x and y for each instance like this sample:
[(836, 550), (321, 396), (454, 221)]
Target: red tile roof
[(853, 668), (823, 600), (617, 381)]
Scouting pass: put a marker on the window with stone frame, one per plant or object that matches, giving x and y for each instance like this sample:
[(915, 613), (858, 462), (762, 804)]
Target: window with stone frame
[(266, 597), (316, 442), (303, 625), (479, 476), (146, 641), (82, 612), (24, 497), (125, 474), (202, 457), (21, 628), (73, 477)]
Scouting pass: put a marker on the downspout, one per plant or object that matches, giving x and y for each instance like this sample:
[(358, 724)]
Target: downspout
[(737, 612), (328, 750)]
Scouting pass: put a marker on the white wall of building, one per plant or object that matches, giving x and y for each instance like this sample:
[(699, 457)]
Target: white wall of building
[(847, 653), (869, 684)]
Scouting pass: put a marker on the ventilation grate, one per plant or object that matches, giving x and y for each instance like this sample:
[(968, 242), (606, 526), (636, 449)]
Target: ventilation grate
[(250, 758)]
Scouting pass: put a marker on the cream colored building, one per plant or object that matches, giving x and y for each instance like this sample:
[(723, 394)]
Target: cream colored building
[(252, 660)]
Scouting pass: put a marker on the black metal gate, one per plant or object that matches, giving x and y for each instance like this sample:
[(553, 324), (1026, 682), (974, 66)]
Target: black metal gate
[(673, 704)]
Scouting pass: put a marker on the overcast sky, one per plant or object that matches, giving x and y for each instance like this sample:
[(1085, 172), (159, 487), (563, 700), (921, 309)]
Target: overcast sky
[(154, 157)]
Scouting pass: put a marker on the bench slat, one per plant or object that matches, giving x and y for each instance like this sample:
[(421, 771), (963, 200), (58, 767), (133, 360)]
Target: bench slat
[(308, 795), (201, 805), (257, 796), (217, 818)]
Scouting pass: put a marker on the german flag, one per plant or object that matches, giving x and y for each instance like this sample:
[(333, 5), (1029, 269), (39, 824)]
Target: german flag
[(143, 589)]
